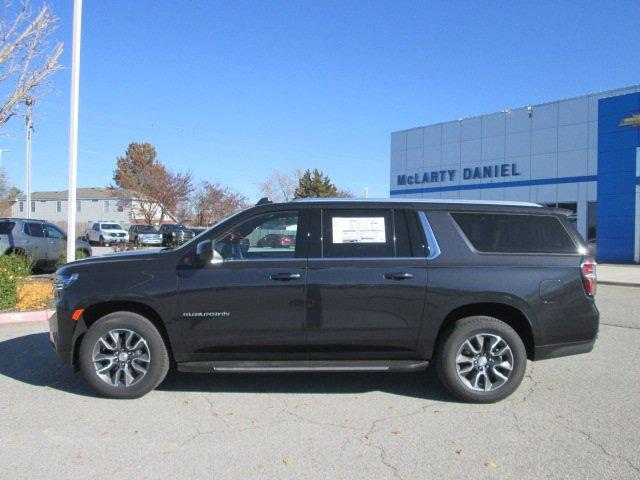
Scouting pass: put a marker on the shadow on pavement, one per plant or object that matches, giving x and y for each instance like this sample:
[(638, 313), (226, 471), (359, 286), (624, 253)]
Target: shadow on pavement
[(31, 360)]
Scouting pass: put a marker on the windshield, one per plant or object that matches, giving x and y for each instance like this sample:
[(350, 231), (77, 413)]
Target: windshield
[(147, 229), (110, 226)]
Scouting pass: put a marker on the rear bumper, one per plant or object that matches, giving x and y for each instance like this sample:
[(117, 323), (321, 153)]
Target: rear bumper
[(542, 352)]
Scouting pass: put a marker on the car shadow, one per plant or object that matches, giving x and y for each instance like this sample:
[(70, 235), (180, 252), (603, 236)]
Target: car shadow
[(30, 359)]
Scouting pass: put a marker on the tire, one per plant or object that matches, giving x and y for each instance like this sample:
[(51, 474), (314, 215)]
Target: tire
[(154, 349), (101, 241), (484, 374)]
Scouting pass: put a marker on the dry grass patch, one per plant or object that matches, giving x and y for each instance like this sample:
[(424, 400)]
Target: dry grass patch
[(34, 294)]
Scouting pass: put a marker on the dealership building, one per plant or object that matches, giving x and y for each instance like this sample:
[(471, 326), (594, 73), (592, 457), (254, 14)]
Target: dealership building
[(582, 154)]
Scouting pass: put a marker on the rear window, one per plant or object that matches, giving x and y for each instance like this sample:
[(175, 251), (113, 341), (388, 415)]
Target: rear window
[(6, 227), (514, 233)]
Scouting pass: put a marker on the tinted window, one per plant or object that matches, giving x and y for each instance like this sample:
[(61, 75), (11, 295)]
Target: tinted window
[(514, 233), (6, 227), (357, 233), (270, 235), (409, 239), (33, 229), (53, 232)]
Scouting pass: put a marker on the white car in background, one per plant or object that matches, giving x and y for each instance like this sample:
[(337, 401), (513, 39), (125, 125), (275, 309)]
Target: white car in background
[(107, 233)]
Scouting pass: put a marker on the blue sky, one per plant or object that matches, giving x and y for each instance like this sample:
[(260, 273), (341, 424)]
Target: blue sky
[(232, 90)]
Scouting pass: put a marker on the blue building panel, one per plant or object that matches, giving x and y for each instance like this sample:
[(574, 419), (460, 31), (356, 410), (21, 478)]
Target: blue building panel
[(617, 178)]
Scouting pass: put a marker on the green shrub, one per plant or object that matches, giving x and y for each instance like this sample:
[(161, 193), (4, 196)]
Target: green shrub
[(12, 267)]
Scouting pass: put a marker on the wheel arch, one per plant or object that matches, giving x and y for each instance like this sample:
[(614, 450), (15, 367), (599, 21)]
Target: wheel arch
[(510, 314), (93, 313)]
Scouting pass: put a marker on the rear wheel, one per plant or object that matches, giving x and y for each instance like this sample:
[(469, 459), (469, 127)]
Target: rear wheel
[(123, 355), (481, 360)]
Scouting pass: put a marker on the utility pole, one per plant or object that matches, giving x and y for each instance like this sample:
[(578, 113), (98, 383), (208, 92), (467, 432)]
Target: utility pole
[(366, 192), (28, 133), (73, 131)]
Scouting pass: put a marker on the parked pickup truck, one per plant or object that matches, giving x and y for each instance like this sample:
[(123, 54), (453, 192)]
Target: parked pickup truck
[(42, 242), (107, 233)]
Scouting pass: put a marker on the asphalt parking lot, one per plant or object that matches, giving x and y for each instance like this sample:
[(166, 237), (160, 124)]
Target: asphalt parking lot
[(575, 417)]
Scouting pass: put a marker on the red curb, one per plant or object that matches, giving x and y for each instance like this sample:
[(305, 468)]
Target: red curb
[(26, 317)]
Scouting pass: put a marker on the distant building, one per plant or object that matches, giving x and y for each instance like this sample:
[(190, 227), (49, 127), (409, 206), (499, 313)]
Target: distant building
[(581, 154), (92, 204)]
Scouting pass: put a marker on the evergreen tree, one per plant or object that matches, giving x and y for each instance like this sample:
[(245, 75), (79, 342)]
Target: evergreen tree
[(315, 184)]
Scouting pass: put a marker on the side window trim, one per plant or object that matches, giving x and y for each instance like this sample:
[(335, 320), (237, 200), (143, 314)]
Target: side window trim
[(432, 243)]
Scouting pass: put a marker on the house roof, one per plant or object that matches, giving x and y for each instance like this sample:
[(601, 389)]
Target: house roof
[(91, 193)]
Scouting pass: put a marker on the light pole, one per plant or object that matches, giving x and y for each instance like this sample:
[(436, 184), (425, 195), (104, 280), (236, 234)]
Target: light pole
[(73, 131), (366, 191), (28, 133)]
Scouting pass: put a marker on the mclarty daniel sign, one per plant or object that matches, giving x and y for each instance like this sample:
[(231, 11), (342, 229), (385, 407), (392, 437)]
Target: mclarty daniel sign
[(468, 173)]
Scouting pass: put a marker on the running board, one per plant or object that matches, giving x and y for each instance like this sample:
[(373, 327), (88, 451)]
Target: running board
[(269, 366)]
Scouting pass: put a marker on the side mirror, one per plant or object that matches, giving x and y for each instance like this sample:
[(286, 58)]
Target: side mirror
[(206, 253)]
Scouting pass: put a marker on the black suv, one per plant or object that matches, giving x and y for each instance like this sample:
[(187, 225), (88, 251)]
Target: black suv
[(173, 234), (476, 288)]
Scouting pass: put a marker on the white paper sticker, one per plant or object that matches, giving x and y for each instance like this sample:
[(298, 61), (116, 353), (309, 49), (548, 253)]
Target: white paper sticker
[(358, 230)]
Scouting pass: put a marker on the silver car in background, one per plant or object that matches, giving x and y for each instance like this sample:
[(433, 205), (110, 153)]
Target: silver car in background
[(145, 235), (42, 242)]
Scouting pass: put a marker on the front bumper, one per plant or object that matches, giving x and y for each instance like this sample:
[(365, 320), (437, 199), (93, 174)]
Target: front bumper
[(116, 239), (150, 240), (63, 333)]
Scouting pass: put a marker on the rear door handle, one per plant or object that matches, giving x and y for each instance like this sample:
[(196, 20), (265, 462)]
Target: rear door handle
[(283, 277), (398, 276)]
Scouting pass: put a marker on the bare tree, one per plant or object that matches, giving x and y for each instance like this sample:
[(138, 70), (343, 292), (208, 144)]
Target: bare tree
[(280, 186), (212, 202), (8, 194), (25, 57)]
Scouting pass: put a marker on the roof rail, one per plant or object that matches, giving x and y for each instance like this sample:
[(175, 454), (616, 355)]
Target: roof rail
[(420, 200), (263, 201)]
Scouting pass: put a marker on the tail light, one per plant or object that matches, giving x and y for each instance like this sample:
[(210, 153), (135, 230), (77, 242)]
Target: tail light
[(589, 277)]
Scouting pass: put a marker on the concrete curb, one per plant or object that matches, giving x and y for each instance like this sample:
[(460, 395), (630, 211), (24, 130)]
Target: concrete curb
[(25, 317)]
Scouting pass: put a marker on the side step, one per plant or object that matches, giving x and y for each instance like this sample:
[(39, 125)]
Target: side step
[(269, 366)]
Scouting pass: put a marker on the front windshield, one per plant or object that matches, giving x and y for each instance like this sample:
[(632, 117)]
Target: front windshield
[(111, 226), (148, 229)]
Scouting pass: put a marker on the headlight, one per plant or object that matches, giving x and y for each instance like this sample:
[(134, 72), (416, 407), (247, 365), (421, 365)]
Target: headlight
[(63, 281)]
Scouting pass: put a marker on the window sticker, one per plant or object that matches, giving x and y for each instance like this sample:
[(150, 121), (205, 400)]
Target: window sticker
[(358, 230)]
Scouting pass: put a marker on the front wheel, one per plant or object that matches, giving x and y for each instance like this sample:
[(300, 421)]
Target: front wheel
[(123, 355), (481, 360)]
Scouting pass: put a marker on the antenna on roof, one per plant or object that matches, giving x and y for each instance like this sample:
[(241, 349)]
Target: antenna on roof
[(263, 201)]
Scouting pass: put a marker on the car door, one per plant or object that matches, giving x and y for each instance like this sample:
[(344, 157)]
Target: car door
[(250, 306), (56, 243), (36, 243), (366, 284), (94, 233)]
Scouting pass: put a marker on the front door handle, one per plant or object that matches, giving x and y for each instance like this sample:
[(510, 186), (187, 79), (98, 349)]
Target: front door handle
[(283, 277), (398, 276)]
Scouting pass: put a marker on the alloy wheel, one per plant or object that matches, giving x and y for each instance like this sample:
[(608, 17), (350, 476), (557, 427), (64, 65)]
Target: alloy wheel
[(121, 357), (484, 362)]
